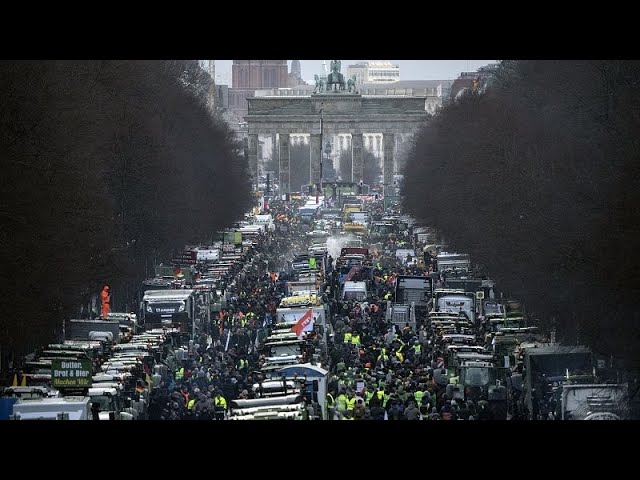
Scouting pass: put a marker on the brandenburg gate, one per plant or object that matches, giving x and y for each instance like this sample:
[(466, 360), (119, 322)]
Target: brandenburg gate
[(332, 110)]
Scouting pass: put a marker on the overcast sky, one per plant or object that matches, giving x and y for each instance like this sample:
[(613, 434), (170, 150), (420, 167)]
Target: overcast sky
[(409, 69)]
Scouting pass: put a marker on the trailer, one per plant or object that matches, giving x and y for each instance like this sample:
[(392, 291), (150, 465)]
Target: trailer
[(595, 402), (547, 368), (414, 289), (401, 314), (61, 408), (82, 329)]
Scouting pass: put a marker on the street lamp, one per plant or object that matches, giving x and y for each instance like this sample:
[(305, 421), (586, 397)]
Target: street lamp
[(321, 150)]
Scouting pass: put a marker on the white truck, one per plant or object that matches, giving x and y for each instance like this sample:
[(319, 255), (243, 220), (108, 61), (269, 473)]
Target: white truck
[(293, 314), (595, 402), (454, 263), (356, 291), (60, 408), (455, 301), (109, 400)]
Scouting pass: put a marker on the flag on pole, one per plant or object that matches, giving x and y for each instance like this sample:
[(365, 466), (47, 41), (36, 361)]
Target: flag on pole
[(304, 321), (352, 272)]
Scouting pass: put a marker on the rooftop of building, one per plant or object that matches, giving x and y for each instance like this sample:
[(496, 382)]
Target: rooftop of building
[(375, 64), (402, 87), (417, 84)]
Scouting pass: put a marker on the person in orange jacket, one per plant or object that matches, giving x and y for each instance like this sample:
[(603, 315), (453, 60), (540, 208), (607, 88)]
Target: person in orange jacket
[(105, 298)]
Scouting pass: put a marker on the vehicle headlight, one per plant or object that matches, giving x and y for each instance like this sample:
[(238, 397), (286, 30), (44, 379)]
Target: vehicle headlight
[(149, 309), (181, 309)]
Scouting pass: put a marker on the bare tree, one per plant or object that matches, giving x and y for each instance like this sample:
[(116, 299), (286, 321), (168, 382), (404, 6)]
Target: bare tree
[(532, 179), (107, 164)]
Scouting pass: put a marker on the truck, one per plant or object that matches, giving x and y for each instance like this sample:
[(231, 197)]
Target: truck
[(284, 407), (110, 402), (267, 220), (318, 322), (595, 402), (355, 291), (455, 301), (168, 307), (411, 300), (417, 289), (454, 263), (291, 315), (547, 368), (57, 408), (401, 314), (82, 329), (382, 231)]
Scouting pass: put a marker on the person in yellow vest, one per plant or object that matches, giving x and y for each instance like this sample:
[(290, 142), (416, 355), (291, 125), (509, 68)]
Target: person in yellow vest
[(382, 396), (347, 337), (331, 402), (383, 357), (418, 394), (179, 373), (341, 404), (243, 364), (348, 416), (368, 395), (219, 405), (351, 402), (355, 339), (399, 356)]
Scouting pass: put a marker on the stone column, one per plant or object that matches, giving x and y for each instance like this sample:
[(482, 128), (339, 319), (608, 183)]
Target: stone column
[(388, 162), (314, 162), (356, 149), (274, 145), (253, 156), (285, 172)]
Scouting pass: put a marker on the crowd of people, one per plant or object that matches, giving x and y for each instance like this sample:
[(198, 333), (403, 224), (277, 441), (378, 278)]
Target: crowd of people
[(378, 371)]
